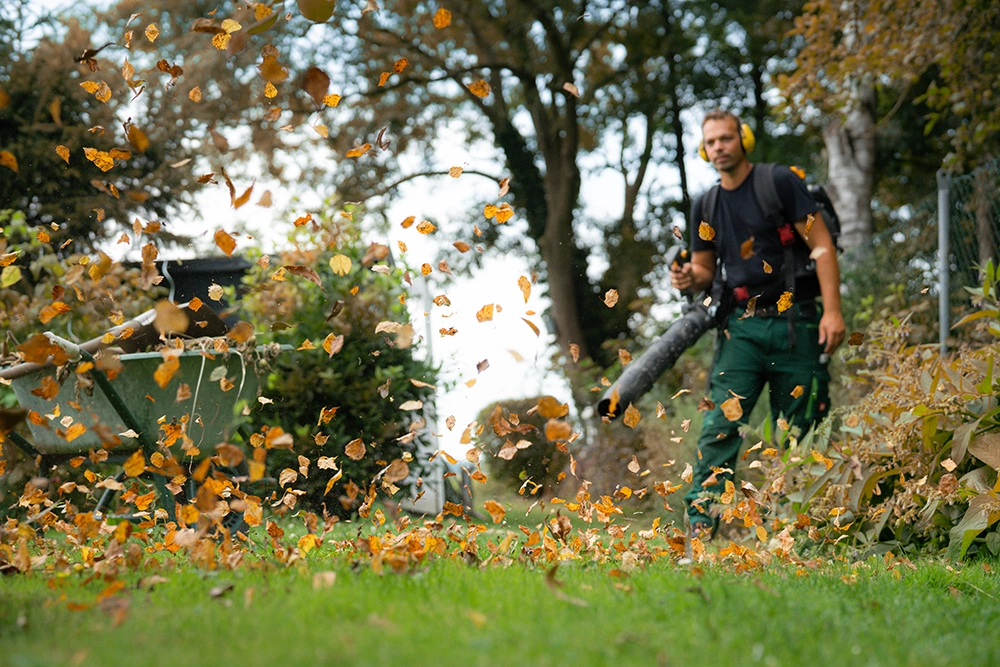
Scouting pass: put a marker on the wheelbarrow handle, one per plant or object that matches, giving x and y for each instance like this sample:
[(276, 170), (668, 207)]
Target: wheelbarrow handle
[(71, 348)]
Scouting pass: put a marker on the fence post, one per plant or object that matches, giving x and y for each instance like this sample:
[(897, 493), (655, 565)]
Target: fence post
[(944, 252)]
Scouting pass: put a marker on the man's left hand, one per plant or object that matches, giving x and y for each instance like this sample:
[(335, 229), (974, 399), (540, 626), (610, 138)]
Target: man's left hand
[(831, 330)]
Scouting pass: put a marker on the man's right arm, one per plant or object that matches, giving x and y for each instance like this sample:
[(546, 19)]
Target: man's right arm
[(698, 274)]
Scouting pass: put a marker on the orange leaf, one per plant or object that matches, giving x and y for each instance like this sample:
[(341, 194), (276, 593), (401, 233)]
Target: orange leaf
[(479, 88), (165, 371), (496, 510), (225, 242), (705, 231), (442, 19), (135, 465), (358, 152)]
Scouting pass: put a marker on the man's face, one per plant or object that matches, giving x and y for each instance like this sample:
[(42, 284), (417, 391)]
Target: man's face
[(722, 144)]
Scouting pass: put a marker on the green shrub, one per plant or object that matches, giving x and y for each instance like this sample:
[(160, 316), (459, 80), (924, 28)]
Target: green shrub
[(912, 465), (366, 382), (515, 447)]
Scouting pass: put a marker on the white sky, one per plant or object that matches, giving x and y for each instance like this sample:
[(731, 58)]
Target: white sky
[(518, 359)]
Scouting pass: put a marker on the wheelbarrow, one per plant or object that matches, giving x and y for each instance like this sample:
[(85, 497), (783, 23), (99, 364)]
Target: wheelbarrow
[(125, 410)]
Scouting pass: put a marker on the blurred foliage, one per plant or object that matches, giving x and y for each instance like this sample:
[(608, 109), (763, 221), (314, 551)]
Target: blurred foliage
[(533, 457), (366, 382)]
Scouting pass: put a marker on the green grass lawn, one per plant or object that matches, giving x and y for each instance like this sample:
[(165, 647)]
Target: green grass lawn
[(450, 613)]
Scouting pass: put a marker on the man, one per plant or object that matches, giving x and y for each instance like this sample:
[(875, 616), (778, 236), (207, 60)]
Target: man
[(763, 339)]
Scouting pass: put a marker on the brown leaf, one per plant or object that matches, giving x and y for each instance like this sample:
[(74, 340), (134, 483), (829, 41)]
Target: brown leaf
[(397, 471), (333, 344), (355, 449), (611, 298), (746, 249), (316, 83), (241, 333), (631, 416), (558, 430), (305, 272), (856, 338)]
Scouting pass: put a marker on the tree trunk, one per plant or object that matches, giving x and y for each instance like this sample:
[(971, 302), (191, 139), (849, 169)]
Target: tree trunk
[(557, 245), (850, 146)]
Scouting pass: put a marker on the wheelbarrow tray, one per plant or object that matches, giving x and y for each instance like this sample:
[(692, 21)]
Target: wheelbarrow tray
[(210, 410)]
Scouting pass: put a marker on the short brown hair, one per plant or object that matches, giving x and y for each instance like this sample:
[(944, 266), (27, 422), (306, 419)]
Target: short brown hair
[(722, 114)]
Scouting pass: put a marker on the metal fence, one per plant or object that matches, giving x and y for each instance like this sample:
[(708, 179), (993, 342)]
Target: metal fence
[(957, 227)]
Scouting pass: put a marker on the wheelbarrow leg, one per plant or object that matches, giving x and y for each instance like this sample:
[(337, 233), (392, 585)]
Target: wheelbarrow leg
[(147, 443), (23, 444)]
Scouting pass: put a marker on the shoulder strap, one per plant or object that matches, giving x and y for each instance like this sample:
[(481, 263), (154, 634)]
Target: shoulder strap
[(767, 194), (708, 202)]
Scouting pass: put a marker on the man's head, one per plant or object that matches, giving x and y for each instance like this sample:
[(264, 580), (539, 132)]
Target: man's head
[(725, 140)]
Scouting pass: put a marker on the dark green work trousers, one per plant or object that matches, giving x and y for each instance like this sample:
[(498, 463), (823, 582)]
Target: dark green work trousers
[(756, 352)]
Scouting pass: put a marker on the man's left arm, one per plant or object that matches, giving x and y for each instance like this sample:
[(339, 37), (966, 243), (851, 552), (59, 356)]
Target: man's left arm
[(831, 326)]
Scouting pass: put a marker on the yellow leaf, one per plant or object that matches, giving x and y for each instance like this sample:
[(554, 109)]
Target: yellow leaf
[(504, 213), (442, 19), (705, 231), (400, 65), (767, 268), (63, 152), (426, 227), (231, 26), (101, 159), (331, 100), (785, 302), (455, 172), (761, 533), (341, 264), (138, 138), (490, 211), (103, 92), (195, 94), (152, 32), (270, 91), (485, 314), (75, 431), (135, 465), (321, 130), (611, 298)]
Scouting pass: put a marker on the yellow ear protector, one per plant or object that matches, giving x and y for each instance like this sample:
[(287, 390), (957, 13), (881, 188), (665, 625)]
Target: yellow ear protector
[(747, 140)]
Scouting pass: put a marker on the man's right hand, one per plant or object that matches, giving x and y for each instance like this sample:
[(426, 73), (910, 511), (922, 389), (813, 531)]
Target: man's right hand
[(682, 276)]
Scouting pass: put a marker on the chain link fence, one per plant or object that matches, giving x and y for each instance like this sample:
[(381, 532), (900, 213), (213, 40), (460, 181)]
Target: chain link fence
[(901, 271)]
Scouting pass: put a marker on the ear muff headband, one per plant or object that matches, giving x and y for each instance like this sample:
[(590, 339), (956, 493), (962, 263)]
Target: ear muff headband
[(747, 141)]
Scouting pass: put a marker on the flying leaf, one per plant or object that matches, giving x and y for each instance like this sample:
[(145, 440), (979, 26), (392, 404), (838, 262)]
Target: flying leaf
[(341, 264), (63, 152), (631, 416), (525, 286), (485, 314), (856, 338), (165, 371), (135, 464), (571, 89), (611, 298), (746, 249), (705, 231), (785, 302), (152, 32), (455, 172), (355, 449), (358, 152), (316, 83), (305, 272), (550, 408), (442, 19), (215, 292), (225, 242), (241, 333), (732, 409), (101, 159), (479, 88), (496, 510), (333, 344), (9, 276), (426, 227)]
